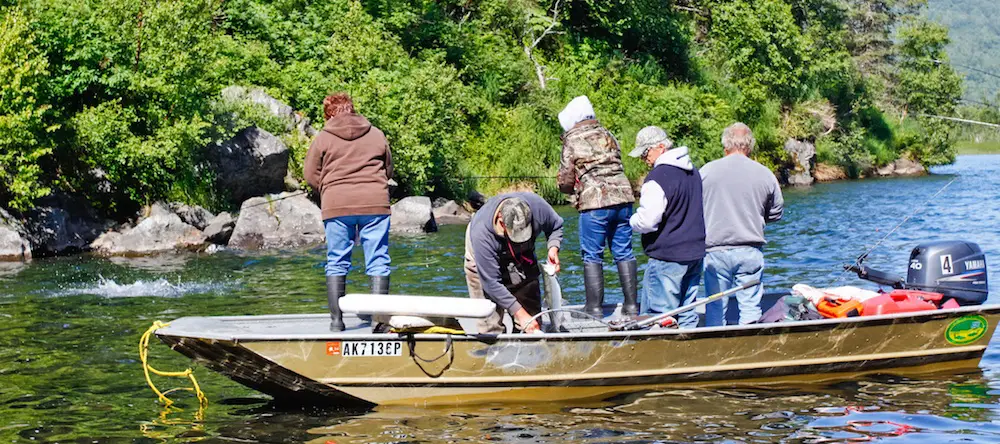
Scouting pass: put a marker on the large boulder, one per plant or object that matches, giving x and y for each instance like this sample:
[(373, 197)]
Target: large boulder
[(450, 212), (193, 215), (293, 120), (803, 155), (158, 229), (413, 214), (220, 229), (13, 246), (902, 167), (825, 172), (252, 163), (62, 224), (283, 221), (257, 96)]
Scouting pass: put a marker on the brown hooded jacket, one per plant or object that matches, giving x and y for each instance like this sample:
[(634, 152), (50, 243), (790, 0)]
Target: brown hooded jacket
[(350, 164)]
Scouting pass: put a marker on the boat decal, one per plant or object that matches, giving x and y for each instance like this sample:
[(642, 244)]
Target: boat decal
[(962, 277), (966, 330), (333, 348)]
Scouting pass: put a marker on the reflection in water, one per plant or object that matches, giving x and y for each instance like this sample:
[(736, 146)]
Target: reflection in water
[(867, 409), (10, 269), (68, 329)]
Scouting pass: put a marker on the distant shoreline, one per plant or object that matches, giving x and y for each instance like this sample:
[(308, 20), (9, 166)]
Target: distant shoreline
[(972, 148)]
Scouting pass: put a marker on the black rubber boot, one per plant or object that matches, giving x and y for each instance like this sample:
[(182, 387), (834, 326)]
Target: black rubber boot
[(627, 276), (593, 283), (379, 285), (336, 287)]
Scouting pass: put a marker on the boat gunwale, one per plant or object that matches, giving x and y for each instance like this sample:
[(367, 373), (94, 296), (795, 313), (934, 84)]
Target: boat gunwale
[(673, 334)]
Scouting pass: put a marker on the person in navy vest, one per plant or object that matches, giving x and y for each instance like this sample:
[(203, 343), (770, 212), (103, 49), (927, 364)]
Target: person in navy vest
[(672, 223)]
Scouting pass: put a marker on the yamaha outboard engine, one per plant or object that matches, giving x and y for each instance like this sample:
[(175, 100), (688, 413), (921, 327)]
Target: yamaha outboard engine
[(956, 269)]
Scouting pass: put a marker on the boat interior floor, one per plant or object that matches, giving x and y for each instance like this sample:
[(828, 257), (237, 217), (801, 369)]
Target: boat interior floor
[(317, 325)]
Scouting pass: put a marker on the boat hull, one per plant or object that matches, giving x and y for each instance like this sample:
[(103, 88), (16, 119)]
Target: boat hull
[(311, 367)]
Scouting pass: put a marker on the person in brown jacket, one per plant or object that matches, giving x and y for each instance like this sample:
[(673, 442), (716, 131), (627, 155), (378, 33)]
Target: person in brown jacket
[(349, 163)]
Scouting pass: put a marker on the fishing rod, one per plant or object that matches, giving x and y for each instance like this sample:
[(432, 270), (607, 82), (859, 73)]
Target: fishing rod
[(640, 324), (861, 259)]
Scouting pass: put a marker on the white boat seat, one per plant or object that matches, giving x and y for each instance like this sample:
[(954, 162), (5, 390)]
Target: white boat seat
[(422, 306)]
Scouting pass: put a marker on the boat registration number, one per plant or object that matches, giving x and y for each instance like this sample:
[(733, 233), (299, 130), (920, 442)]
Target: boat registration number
[(366, 348)]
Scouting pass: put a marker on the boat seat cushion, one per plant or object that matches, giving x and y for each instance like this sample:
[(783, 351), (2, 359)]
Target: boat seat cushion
[(423, 306)]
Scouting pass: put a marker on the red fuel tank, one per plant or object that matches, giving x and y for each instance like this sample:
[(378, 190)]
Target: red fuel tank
[(900, 301)]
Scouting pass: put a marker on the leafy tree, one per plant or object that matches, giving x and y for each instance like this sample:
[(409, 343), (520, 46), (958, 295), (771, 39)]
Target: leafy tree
[(22, 129), (759, 44), (927, 86)]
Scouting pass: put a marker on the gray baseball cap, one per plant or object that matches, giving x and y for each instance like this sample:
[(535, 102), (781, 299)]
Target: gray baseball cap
[(516, 216), (649, 137)]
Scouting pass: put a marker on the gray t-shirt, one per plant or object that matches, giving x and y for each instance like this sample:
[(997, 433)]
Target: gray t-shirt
[(487, 246), (740, 196)]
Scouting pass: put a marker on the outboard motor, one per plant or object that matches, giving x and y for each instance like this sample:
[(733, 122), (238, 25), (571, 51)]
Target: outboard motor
[(956, 269)]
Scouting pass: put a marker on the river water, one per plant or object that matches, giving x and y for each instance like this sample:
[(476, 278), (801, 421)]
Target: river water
[(69, 327)]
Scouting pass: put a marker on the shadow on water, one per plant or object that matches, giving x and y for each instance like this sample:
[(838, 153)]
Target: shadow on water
[(69, 328)]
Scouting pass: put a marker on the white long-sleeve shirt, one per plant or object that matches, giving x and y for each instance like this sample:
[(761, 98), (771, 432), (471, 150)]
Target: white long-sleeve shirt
[(652, 201)]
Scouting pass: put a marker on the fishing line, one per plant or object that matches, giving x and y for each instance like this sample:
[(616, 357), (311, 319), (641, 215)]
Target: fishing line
[(900, 224), (270, 200)]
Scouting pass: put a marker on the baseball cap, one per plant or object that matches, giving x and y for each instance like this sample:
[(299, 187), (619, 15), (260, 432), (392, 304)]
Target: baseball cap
[(516, 216), (649, 137)]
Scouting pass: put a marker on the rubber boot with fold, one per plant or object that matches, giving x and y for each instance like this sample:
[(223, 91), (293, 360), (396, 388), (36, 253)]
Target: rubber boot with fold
[(629, 281), (379, 285), (336, 287), (593, 283)]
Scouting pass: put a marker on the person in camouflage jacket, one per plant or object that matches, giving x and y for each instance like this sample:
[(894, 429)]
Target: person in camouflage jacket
[(591, 170)]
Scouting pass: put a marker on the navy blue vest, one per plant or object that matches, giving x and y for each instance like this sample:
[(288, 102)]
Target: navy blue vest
[(681, 234)]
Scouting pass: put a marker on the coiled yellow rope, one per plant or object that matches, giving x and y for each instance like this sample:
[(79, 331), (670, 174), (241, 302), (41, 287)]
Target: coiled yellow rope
[(146, 369)]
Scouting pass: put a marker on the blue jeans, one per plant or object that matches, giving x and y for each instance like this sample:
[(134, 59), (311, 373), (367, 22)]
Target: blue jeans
[(725, 269), (340, 235), (604, 226), (669, 285)]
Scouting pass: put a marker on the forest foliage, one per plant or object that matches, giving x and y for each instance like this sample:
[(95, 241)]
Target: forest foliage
[(116, 100), (974, 27)]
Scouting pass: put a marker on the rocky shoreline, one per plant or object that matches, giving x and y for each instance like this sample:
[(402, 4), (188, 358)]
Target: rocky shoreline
[(283, 221), (803, 169)]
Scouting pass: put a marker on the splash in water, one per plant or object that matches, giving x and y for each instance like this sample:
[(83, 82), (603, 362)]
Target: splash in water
[(155, 288)]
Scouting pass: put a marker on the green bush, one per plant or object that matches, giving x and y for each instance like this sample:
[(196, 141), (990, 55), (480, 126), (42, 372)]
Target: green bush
[(23, 134)]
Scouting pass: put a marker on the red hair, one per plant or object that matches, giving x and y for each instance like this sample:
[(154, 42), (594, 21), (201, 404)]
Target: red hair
[(336, 104)]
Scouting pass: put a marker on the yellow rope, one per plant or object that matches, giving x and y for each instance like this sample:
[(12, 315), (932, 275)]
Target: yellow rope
[(146, 369)]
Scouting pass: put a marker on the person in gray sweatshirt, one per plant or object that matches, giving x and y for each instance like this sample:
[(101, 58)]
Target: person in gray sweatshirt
[(740, 197), (500, 262)]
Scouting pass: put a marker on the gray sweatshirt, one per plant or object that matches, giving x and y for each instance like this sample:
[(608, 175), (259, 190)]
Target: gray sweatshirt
[(487, 245), (740, 197)]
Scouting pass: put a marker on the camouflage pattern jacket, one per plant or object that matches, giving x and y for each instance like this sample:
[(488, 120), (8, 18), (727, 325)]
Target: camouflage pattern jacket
[(591, 168)]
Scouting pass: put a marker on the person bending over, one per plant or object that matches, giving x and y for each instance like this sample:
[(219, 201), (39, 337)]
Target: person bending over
[(500, 262)]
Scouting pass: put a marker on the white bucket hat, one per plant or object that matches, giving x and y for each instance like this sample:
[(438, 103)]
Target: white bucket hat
[(578, 110)]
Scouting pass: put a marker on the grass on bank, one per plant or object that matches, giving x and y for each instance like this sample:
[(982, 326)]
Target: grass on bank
[(971, 147)]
